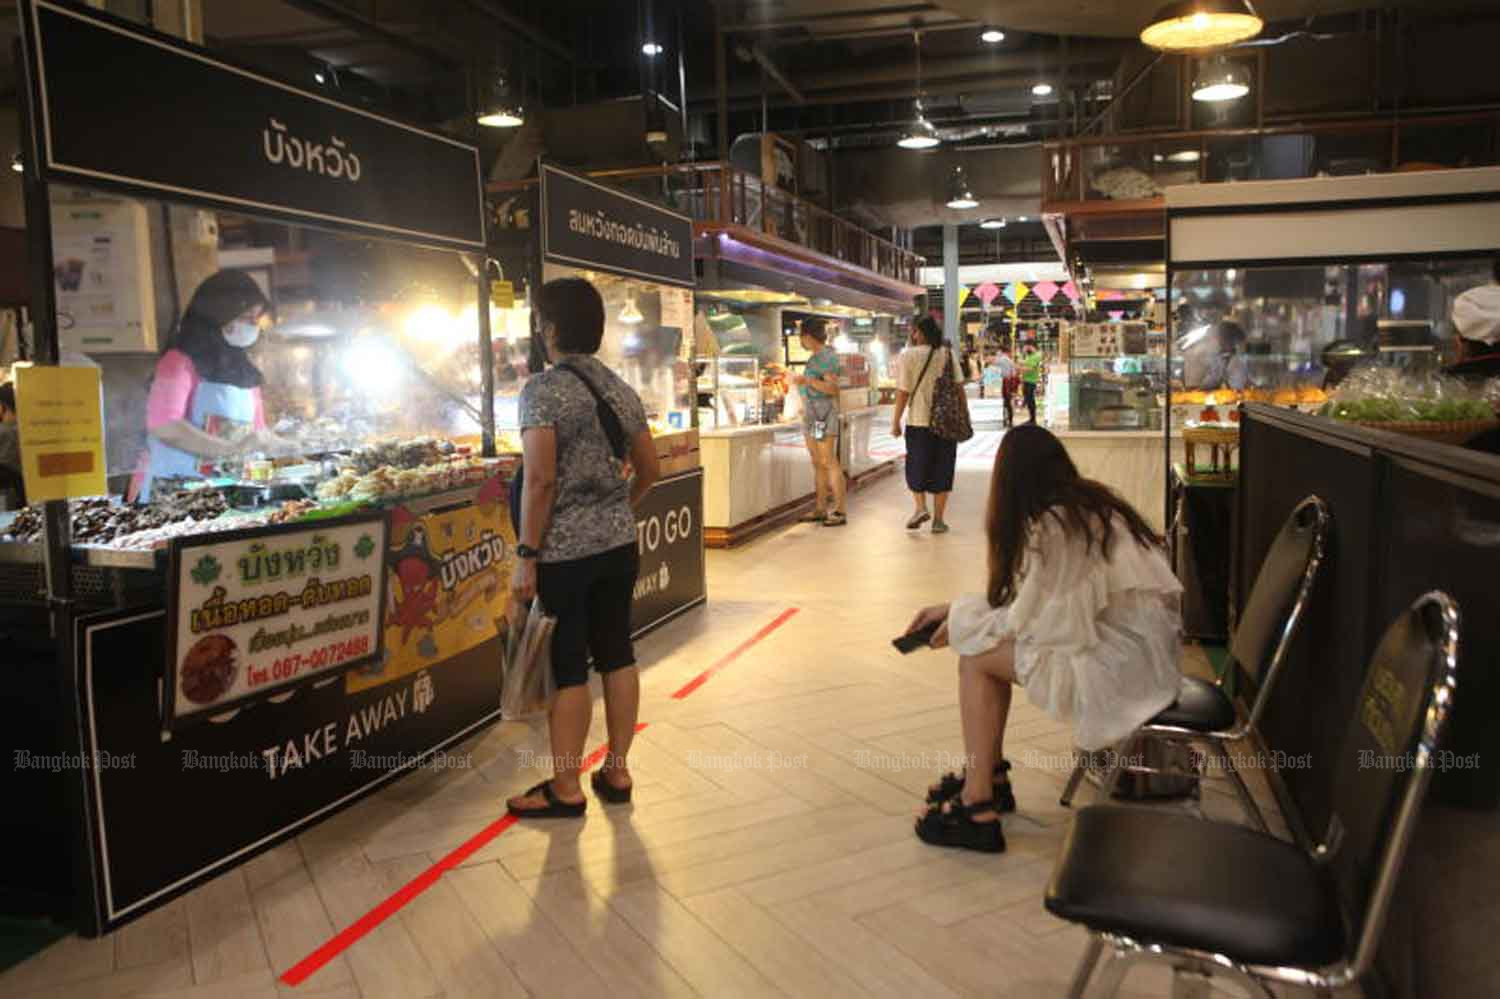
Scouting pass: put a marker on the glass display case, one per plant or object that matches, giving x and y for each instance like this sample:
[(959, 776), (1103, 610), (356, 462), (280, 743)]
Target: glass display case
[(648, 341), (1116, 393), (730, 391), (1288, 335)]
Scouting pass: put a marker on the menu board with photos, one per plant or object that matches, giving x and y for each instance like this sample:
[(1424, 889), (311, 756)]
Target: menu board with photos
[(257, 612)]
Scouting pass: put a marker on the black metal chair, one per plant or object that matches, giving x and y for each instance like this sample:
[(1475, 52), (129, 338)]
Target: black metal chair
[(1218, 898), (1203, 711)]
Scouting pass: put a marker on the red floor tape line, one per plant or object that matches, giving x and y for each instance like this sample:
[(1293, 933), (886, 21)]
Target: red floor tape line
[(351, 934), (346, 938), (739, 650)]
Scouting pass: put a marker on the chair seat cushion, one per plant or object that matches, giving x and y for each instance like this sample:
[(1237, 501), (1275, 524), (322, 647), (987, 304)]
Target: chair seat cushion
[(1200, 706), (1166, 877)]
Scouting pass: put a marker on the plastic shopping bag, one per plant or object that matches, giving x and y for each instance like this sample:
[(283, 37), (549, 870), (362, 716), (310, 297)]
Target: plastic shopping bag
[(791, 406), (529, 682)]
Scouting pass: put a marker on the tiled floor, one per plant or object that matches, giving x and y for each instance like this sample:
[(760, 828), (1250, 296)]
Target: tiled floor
[(769, 851)]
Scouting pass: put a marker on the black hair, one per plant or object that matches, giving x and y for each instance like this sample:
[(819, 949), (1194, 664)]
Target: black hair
[(817, 328), (1495, 270), (1478, 348), (932, 333), (573, 306), (200, 333), (1034, 478), (8, 396)]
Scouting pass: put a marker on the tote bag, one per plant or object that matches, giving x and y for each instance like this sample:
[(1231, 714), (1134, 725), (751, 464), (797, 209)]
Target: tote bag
[(950, 407)]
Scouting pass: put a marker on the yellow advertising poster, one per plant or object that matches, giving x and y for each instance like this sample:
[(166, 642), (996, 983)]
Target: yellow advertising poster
[(61, 416), (447, 586), (502, 294)]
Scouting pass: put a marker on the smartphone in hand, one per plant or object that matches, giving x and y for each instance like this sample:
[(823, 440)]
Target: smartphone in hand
[(914, 640)]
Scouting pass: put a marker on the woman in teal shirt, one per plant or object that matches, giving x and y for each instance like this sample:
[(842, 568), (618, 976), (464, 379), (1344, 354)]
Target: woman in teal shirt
[(819, 383)]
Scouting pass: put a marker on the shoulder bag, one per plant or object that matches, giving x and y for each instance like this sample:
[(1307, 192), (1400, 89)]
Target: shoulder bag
[(950, 407), (614, 430)]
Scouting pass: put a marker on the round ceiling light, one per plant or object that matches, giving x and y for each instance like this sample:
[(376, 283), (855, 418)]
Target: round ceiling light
[(652, 49), (1197, 25), (921, 135), (1220, 80), (1042, 90), (992, 224), (960, 197), (992, 36), (1181, 156), (502, 117)]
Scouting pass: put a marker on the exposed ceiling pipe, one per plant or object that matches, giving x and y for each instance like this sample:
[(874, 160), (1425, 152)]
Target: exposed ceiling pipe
[(524, 30), (338, 13), (775, 73), (991, 83), (1125, 90), (833, 17)]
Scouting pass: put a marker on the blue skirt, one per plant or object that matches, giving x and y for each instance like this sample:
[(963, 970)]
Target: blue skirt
[(929, 461)]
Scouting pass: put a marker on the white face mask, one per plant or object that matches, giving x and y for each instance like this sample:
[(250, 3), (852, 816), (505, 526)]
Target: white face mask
[(242, 333)]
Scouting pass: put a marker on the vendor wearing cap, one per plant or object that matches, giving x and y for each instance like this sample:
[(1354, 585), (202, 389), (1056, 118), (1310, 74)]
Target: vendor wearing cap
[(1476, 318)]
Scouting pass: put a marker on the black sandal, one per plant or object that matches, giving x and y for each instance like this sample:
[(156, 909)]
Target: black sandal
[(607, 792), (952, 824), (950, 784), (555, 808)]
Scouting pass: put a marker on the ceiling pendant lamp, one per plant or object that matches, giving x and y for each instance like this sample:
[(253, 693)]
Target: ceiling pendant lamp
[(920, 134), (996, 223), (1198, 25), (503, 110), (960, 197), (1220, 80)]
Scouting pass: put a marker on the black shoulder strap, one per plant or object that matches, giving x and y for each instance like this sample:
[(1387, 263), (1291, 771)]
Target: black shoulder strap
[(608, 419), (925, 365)]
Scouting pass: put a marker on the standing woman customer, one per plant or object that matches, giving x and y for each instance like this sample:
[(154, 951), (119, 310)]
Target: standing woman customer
[(929, 458), (577, 541), (819, 383)]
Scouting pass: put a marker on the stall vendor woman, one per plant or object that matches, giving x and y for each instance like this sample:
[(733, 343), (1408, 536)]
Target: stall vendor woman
[(205, 401)]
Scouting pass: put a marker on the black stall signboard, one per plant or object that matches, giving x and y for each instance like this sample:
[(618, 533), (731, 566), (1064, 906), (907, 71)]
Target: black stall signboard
[(131, 109), (168, 814), (669, 534), (585, 224), (254, 613)]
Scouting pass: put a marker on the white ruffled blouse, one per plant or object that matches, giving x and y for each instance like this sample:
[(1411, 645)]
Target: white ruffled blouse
[(1098, 640)]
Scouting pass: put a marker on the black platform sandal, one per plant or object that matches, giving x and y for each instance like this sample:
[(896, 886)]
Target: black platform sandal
[(950, 784), (952, 824), (555, 808), (607, 792)]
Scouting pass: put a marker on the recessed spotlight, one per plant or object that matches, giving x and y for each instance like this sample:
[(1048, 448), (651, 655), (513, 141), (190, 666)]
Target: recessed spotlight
[(1042, 90), (652, 49), (17, 164), (992, 36), (319, 77), (992, 224), (1020, 218)]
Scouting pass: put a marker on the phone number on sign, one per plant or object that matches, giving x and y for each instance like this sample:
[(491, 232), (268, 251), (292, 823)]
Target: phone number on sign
[(331, 654)]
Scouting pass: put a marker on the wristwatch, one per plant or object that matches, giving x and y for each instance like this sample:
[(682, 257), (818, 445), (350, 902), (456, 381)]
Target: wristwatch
[(526, 551)]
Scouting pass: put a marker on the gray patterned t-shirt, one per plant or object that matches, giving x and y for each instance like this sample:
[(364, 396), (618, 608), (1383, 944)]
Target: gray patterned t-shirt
[(592, 513)]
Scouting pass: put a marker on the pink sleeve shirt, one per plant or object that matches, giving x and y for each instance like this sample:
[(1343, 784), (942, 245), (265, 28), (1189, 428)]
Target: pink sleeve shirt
[(171, 395)]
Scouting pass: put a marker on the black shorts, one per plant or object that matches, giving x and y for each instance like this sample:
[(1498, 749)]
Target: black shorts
[(929, 461), (591, 599)]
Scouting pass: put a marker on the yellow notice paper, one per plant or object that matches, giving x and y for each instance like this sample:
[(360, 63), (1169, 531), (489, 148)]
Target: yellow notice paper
[(502, 294), (61, 417)]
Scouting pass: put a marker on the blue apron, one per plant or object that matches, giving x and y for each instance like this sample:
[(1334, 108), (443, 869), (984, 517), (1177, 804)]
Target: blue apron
[(217, 409)]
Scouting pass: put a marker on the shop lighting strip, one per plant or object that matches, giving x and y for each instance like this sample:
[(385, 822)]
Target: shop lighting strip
[(355, 931)]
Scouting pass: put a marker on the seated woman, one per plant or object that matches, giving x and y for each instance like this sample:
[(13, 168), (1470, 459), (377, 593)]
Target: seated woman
[(1081, 610)]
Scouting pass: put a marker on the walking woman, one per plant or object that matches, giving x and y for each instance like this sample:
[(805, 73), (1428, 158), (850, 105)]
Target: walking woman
[(577, 541), (929, 458), (1081, 609), (819, 383)]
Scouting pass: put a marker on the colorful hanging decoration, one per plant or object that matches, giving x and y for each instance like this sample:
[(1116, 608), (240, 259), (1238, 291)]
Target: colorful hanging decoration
[(1071, 290), (963, 295), (1045, 290), (987, 292), (1110, 295), (1117, 315)]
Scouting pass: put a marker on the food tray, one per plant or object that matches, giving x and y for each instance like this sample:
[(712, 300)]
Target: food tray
[(1442, 432)]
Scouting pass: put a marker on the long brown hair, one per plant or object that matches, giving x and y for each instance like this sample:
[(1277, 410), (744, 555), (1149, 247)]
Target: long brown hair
[(1035, 478)]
